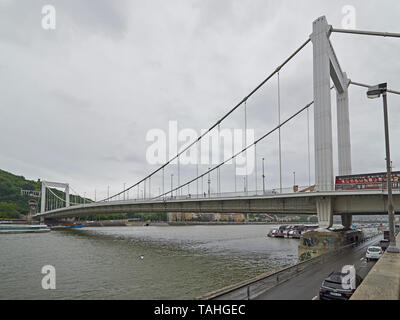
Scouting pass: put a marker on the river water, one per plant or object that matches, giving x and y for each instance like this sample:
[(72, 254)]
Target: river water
[(178, 262)]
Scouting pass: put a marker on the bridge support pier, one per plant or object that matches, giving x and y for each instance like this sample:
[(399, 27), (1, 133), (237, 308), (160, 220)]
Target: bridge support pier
[(347, 220), (325, 212)]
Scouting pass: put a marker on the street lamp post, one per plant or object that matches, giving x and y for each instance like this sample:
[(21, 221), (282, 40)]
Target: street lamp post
[(172, 176), (375, 92), (209, 183), (263, 175)]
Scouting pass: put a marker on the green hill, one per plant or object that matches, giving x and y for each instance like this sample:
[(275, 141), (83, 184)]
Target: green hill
[(12, 203)]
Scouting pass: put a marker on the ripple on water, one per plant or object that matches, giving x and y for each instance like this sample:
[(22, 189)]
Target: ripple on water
[(180, 262)]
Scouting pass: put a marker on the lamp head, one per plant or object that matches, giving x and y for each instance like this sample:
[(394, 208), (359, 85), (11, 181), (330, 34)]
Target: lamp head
[(376, 91)]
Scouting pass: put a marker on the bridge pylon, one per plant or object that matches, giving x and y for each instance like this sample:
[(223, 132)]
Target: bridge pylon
[(48, 184), (326, 67)]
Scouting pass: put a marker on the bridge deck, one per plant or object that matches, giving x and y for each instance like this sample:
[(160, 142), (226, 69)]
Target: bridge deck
[(352, 202)]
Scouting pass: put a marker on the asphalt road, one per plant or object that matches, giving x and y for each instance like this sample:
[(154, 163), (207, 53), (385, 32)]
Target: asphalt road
[(305, 286)]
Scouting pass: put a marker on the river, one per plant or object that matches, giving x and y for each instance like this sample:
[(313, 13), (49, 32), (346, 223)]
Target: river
[(155, 262)]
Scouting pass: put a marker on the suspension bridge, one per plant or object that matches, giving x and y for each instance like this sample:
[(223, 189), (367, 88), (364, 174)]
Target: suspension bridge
[(197, 195)]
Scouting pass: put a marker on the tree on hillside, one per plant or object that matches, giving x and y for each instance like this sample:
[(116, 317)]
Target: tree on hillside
[(9, 210)]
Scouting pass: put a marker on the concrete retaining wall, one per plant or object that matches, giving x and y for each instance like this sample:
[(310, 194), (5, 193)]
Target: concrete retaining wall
[(383, 281)]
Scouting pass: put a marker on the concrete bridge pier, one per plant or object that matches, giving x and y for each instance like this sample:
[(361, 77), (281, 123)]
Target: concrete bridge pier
[(347, 220), (325, 212)]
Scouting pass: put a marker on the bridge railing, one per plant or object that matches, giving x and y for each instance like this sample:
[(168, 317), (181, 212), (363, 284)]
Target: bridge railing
[(256, 193)]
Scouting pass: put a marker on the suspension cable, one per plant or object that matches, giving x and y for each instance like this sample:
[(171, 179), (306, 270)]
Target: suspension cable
[(218, 121), (279, 134), (243, 150)]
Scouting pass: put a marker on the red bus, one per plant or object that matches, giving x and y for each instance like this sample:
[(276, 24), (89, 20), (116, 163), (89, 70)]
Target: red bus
[(370, 181)]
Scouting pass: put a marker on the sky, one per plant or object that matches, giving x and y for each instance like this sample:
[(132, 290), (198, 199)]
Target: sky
[(77, 101)]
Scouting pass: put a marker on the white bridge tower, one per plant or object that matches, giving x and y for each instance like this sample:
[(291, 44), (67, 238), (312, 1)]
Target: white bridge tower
[(46, 184), (325, 67)]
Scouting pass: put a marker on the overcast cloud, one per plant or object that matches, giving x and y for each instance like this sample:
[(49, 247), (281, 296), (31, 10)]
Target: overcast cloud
[(76, 102)]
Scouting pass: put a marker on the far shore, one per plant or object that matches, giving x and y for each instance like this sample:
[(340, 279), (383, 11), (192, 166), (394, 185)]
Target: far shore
[(124, 223)]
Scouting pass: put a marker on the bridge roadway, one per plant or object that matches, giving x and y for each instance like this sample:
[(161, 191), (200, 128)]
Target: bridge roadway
[(351, 202), (305, 286)]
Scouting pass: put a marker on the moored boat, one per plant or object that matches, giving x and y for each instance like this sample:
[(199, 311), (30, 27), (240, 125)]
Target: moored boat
[(272, 233), (23, 228), (77, 226), (291, 231)]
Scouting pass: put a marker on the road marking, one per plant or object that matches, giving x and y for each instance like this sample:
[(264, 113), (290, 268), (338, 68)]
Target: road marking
[(315, 298)]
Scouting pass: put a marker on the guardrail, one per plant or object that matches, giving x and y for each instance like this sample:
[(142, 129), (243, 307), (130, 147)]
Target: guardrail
[(252, 288), (251, 193), (305, 189)]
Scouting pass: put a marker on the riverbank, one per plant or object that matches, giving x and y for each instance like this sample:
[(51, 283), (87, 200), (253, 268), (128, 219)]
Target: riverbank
[(125, 223)]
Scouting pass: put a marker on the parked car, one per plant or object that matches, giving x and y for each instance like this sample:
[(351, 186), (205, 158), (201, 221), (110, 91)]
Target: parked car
[(384, 244), (373, 253), (334, 287)]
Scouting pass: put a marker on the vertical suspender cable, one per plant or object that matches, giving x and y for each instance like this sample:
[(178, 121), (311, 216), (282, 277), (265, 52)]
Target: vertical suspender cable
[(197, 168), (179, 192), (211, 163), (308, 146), (163, 181), (219, 153), (202, 185), (234, 159), (255, 166), (245, 141), (149, 187), (279, 132)]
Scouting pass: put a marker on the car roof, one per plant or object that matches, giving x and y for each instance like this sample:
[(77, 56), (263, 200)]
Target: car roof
[(375, 247), (336, 276)]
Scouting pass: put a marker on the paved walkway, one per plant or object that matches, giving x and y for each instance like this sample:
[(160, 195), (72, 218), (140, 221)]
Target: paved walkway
[(305, 286), (383, 282)]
